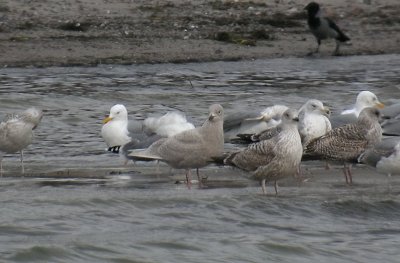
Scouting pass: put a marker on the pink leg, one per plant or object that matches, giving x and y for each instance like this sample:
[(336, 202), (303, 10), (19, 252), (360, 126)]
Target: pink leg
[(264, 189), (188, 179), (276, 187), (199, 179)]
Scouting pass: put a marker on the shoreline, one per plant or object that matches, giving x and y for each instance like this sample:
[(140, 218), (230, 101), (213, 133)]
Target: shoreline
[(88, 33)]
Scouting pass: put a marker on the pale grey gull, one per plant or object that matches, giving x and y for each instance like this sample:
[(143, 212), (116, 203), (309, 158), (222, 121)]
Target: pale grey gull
[(346, 143), (314, 120), (384, 156), (16, 132), (273, 159), (190, 149)]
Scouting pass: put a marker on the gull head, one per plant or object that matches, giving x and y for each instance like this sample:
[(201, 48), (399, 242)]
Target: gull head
[(32, 115), (117, 112), (290, 116), (367, 99), (216, 113), (315, 106)]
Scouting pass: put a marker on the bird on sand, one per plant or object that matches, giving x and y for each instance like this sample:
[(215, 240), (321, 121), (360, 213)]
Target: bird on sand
[(16, 132), (273, 159), (364, 99), (345, 144), (323, 27), (194, 148), (384, 156)]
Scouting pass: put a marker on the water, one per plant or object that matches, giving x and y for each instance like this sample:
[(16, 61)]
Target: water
[(126, 216)]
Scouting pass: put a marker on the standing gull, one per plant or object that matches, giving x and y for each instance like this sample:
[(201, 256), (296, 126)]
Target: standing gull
[(273, 159), (190, 149), (323, 27), (16, 132), (115, 128), (346, 143)]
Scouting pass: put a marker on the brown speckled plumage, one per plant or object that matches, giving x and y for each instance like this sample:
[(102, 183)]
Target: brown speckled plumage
[(273, 159), (346, 143)]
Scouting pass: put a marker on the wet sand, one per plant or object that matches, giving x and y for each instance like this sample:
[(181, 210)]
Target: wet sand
[(90, 32)]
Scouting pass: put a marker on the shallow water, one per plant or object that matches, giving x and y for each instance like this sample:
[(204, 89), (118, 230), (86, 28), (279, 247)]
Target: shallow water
[(134, 218)]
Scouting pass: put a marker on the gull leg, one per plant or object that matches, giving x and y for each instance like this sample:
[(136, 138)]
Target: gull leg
[(22, 161), (345, 174), (199, 179), (276, 188), (188, 179), (336, 52), (263, 187), (349, 173), (327, 166), (319, 43)]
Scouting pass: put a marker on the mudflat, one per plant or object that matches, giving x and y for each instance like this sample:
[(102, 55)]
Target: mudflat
[(90, 32)]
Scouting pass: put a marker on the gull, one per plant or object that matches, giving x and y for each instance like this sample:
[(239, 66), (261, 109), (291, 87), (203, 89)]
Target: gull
[(384, 156), (323, 27), (194, 148), (364, 99), (117, 131), (345, 144), (314, 121), (16, 132), (252, 122), (275, 158)]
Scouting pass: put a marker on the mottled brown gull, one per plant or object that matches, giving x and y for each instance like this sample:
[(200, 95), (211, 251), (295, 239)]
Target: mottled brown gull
[(273, 159), (346, 143), (16, 133), (190, 149)]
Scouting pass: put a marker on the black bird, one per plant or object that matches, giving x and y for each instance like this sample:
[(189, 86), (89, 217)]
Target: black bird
[(323, 27)]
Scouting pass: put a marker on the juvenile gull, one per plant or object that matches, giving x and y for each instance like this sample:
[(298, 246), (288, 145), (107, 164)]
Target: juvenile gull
[(346, 143), (190, 149), (16, 132), (273, 159), (252, 122), (323, 27), (384, 156), (364, 99)]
